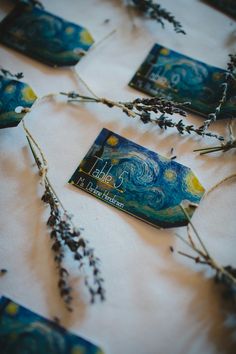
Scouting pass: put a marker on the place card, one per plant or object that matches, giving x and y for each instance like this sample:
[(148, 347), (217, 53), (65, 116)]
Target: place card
[(138, 181), (179, 78), (43, 36), (23, 331), (15, 96)]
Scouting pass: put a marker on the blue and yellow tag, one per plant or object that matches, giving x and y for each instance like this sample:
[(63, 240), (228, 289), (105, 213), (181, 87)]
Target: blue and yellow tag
[(138, 181), (43, 36), (23, 331), (14, 97), (179, 78)]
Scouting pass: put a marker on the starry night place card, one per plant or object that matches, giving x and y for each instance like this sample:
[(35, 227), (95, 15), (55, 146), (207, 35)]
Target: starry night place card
[(43, 36), (177, 77), (14, 94), (138, 181), (23, 331)]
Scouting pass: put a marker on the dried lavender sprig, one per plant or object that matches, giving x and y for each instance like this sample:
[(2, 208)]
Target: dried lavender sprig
[(229, 76), (142, 109), (5, 72), (225, 275), (57, 247), (231, 65), (212, 117), (157, 105), (156, 12), (65, 234)]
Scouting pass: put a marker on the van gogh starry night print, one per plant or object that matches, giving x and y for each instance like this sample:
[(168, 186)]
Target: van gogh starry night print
[(22, 331), (44, 36), (177, 77), (138, 181), (14, 94)]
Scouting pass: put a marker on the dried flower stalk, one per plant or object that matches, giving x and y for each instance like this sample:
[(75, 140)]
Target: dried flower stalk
[(4, 72), (224, 275), (229, 144), (65, 235), (148, 110), (229, 76), (156, 12)]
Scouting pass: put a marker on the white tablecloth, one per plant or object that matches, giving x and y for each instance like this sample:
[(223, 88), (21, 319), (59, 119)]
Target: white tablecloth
[(156, 302)]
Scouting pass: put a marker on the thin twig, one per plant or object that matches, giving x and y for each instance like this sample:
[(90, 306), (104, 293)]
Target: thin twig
[(156, 12), (225, 275), (225, 146), (196, 259)]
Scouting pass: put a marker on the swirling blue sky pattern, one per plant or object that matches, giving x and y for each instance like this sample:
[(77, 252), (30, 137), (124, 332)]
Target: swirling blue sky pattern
[(152, 186), (22, 331)]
